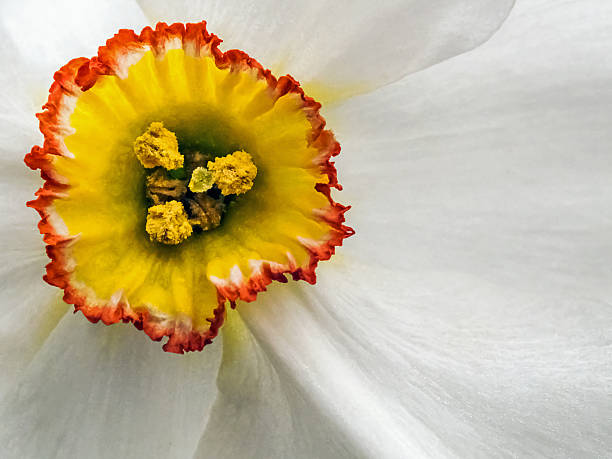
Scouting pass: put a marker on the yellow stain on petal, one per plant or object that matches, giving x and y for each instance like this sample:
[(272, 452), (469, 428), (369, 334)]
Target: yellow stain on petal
[(210, 110), (330, 90), (48, 317), (329, 94), (237, 347)]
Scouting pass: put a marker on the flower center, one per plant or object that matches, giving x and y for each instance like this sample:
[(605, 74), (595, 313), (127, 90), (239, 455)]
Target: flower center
[(187, 190), (165, 225)]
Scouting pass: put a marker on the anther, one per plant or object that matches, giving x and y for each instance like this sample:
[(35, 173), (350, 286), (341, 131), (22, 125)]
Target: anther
[(158, 146)]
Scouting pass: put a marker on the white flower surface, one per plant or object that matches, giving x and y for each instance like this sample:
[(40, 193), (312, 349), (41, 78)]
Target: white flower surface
[(470, 315)]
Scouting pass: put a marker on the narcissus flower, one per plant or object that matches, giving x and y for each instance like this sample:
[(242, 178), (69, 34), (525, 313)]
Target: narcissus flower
[(468, 316), (167, 99)]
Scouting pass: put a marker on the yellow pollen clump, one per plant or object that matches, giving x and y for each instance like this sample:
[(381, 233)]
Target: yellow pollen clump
[(233, 174), (168, 223), (201, 180), (158, 147)]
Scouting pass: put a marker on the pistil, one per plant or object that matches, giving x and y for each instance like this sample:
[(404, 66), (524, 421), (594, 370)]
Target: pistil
[(201, 180)]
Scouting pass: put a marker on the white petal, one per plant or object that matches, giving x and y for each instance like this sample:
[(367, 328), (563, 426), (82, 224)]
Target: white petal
[(319, 359), (424, 363), (38, 37), (28, 306), (470, 315), (30, 311), (343, 47), (106, 392), (260, 412), (495, 162)]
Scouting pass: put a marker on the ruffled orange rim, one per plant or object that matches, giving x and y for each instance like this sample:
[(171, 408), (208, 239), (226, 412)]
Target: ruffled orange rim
[(79, 75)]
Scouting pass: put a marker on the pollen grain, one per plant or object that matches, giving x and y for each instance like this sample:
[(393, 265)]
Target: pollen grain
[(158, 146), (168, 223), (233, 174)]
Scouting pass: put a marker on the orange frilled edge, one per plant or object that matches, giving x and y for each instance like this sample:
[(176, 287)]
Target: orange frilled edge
[(79, 75)]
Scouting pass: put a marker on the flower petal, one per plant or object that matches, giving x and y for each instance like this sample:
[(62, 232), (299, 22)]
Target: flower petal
[(261, 412), (27, 306), (474, 309), (43, 36), (342, 48), (422, 363), (497, 160), (108, 392)]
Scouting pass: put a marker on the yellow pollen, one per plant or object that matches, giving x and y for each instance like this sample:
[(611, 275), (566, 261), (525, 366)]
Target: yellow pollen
[(201, 180), (234, 173), (168, 223), (158, 147)]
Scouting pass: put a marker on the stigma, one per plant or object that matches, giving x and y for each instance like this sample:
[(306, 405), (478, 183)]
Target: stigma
[(201, 180)]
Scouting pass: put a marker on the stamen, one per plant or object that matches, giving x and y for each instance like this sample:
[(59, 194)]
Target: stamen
[(178, 208), (168, 223), (201, 180), (206, 211), (158, 147), (233, 174), (161, 188)]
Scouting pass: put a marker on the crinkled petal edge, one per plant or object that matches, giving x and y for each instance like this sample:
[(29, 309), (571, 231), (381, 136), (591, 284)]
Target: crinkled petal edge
[(80, 74)]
